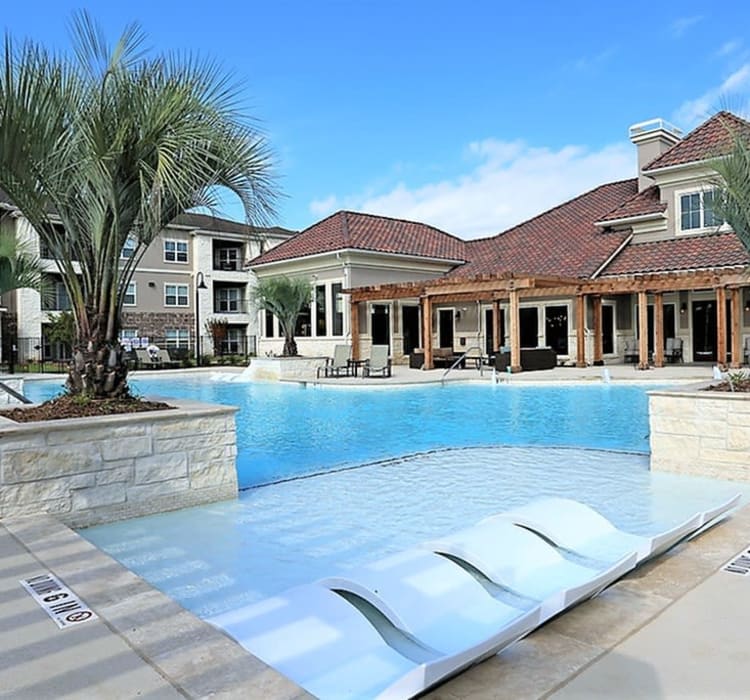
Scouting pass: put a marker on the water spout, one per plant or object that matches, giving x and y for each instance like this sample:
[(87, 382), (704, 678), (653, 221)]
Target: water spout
[(717, 373), (606, 378)]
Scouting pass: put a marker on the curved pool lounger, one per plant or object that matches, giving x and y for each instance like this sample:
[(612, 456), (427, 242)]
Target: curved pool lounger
[(441, 605), (579, 528), (326, 645), (712, 516), (519, 560)]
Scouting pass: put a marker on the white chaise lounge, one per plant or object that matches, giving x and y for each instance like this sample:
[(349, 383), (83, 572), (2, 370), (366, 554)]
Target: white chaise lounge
[(579, 528), (442, 606), (324, 644), (517, 559)]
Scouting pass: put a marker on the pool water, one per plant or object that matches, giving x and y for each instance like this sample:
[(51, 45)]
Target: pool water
[(222, 556), (286, 430)]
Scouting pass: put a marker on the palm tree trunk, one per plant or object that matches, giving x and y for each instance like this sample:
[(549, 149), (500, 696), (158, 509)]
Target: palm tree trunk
[(290, 346)]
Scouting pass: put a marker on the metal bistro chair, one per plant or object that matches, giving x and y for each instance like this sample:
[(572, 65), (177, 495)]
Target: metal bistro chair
[(673, 350)]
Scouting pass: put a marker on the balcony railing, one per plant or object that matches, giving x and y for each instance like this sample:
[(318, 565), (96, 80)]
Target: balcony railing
[(226, 306)]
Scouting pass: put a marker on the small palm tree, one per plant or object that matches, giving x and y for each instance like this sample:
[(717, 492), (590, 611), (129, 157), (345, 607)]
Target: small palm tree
[(110, 146), (733, 184), (284, 297), (19, 267)]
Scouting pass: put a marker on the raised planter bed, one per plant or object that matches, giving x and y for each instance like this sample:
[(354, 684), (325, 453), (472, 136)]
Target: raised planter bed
[(703, 433), (87, 471), (286, 368)]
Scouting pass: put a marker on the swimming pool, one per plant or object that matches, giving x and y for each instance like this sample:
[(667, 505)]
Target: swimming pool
[(285, 430)]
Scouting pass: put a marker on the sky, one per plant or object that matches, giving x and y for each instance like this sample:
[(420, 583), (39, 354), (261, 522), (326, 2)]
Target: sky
[(471, 116)]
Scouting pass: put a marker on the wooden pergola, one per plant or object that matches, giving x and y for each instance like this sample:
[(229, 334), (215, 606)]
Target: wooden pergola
[(511, 288)]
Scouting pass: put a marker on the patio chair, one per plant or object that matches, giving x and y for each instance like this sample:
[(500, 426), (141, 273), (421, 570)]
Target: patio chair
[(165, 359), (673, 350), (145, 361), (338, 365), (379, 363), (631, 353)]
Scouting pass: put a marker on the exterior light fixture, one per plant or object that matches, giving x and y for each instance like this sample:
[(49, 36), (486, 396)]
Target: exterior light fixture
[(683, 307)]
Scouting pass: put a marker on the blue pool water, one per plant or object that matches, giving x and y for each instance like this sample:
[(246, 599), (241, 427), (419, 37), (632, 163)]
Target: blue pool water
[(287, 430)]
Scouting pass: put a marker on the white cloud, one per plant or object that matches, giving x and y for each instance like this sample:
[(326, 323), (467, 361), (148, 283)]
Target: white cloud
[(682, 24), (729, 47), (507, 183), (692, 112)]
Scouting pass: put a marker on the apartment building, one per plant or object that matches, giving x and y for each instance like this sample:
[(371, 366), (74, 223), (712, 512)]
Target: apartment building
[(191, 289)]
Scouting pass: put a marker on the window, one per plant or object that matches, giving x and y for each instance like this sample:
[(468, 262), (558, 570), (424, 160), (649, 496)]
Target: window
[(556, 329), (320, 310), (338, 308), (58, 298), (302, 326), (175, 295), (227, 259), (127, 336), (128, 249), (227, 300), (177, 337), (697, 211), (175, 251), (129, 298), (268, 324)]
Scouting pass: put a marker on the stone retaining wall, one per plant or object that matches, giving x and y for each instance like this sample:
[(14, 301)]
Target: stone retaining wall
[(96, 470), (286, 368), (703, 433)]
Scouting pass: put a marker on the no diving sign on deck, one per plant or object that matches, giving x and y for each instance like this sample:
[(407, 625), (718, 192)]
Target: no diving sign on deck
[(57, 600), (740, 564)]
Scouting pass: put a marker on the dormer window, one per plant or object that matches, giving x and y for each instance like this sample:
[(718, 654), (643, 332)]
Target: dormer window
[(697, 211)]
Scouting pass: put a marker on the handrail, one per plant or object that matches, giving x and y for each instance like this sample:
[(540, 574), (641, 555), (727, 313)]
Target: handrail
[(461, 358), (12, 392)]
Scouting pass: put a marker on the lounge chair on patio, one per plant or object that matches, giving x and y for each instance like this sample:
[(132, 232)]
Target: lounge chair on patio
[(521, 561), (579, 528), (145, 361), (338, 365), (164, 359), (379, 363)]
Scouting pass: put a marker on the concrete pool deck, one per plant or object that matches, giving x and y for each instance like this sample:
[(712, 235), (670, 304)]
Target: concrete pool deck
[(678, 627)]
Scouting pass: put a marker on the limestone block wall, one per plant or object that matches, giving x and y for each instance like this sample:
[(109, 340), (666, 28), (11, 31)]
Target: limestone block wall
[(286, 368), (96, 470), (702, 433)]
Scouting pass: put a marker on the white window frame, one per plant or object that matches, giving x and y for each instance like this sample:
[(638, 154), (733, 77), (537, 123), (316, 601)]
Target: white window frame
[(125, 302), (130, 245), (223, 296), (176, 252), (701, 192), (176, 295), (177, 338)]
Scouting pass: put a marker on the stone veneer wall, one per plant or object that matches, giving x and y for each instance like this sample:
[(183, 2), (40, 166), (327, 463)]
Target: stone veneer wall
[(96, 470), (702, 433), (286, 368)]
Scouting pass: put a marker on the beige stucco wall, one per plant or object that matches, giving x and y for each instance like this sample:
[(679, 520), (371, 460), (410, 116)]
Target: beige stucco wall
[(95, 470), (701, 433)]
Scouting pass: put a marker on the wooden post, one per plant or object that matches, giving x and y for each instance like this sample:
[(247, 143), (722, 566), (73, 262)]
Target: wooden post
[(642, 330), (354, 319), (721, 326), (598, 337), (658, 330), (736, 325), (496, 339), (581, 330), (427, 332), (515, 333)]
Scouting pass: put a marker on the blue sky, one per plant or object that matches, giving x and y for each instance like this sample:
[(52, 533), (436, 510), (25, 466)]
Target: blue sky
[(469, 116)]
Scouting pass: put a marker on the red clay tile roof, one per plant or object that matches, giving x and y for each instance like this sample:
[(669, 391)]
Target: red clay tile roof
[(562, 242), (712, 138), (646, 202), (688, 253), (350, 230)]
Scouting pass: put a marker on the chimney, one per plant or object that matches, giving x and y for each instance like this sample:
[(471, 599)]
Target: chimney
[(653, 138)]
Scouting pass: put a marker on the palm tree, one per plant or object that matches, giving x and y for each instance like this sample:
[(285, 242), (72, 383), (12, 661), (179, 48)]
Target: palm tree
[(732, 187), (19, 267), (284, 297), (111, 145)]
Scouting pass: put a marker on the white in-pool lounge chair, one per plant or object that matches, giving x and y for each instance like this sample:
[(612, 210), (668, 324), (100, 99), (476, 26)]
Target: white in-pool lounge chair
[(519, 560), (579, 528), (442, 606), (326, 645)]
